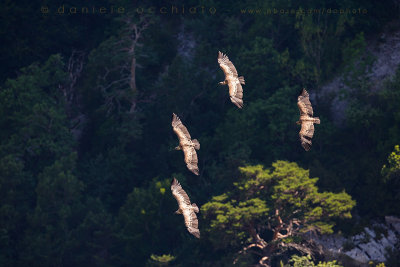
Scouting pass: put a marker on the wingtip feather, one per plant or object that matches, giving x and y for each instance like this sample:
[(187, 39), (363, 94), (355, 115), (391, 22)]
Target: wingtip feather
[(194, 232), (304, 93)]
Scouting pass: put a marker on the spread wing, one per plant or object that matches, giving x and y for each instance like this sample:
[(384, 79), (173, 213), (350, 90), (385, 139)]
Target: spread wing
[(234, 82), (306, 133), (180, 129), (189, 215), (187, 144), (304, 104), (227, 66), (236, 93), (191, 159), (179, 194)]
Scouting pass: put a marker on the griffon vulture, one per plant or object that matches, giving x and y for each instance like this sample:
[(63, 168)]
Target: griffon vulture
[(186, 144), (186, 209), (306, 120), (232, 80)]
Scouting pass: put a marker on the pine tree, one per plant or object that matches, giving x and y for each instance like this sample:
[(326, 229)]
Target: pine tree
[(283, 201)]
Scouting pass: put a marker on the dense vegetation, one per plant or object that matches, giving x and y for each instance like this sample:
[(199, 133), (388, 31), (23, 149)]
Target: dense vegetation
[(86, 146)]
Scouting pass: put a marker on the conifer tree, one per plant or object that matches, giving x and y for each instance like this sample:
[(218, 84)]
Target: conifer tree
[(282, 200)]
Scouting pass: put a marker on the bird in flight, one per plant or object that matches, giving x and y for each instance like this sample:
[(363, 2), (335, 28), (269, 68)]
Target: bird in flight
[(186, 144), (306, 120), (232, 80), (187, 209)]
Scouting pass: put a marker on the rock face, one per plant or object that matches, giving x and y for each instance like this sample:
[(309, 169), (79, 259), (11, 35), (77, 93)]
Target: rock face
[(386, 52), (370, 245), (186, 45)]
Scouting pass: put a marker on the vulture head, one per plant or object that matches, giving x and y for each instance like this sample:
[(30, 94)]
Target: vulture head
[(223, 83), (178, 211)]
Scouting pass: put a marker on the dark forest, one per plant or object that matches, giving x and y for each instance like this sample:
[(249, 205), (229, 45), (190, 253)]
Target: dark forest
[(87, 93)]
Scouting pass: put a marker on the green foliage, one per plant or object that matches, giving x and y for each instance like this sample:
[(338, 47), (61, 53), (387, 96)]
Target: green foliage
[(148, 210), (58, 206), (305, 261), (28, 35), (93, 240), (318, 36), (260, 50), (230, 219), (393, 166), (391, 177), (35, 145), (294, 192), (265, 128), (162, 260), (15, 196), (32, 111), (273, 200), (99, 198)]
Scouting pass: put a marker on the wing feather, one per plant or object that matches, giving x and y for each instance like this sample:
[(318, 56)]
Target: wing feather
[(191, 159), (180, 130), (186, 143), (179, 194), (231, 75), (236, 93), (191, 221), (307, 129), (307, 121), (227, 66), (304, 104), (306, 133)]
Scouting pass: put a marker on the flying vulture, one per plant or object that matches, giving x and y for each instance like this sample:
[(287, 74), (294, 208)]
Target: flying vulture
[(186, 144), (232, 80), (306, 120), (188, 210)]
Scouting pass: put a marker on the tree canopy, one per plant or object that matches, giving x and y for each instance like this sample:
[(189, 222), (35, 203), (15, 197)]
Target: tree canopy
[(87, 150), (284, 201)]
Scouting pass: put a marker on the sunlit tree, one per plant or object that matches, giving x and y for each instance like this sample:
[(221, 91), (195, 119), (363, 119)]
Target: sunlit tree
[(282, 200)]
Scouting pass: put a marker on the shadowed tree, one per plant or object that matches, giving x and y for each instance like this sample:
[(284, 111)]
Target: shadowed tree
[(147, 224), (34, 133), (116, 62), (110, 95), (319, 34), (14, 181), (57, 212), (33, 119)]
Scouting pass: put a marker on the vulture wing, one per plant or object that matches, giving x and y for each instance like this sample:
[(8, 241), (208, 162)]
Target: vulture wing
[(304, 104), (306, 133), (191, 159), (180, 129), (188, 145), (188, 210), (234, 82), (226, 65), (236, 93)]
